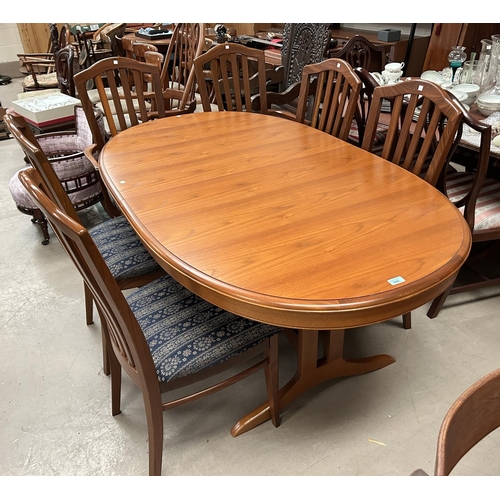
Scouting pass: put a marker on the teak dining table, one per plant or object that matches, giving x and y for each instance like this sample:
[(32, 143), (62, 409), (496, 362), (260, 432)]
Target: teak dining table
[(279, 222)]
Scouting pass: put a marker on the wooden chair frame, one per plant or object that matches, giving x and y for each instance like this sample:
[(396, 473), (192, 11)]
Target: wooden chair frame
[(24, 136), (467, 203), (218, 84), (410, 144), (331, 104), (127, 346), (124, 79)]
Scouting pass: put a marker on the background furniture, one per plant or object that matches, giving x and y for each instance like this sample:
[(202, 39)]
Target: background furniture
[(477, 195), (302, 231), (445, 35), (146, 332), (360, 52), (224, 75), (65, 152), (178, 73)]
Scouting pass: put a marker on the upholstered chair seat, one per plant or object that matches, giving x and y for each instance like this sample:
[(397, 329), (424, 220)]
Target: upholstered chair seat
[(487, 213), (122, 250), (186, 334)]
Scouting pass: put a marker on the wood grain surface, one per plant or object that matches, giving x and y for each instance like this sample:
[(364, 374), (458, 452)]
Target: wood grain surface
[(279, 222)]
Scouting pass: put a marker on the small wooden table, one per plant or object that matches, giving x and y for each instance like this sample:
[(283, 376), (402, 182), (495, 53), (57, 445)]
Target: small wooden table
[(276, 221)]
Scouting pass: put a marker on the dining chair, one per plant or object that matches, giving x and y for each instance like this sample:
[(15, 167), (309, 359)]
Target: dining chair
[(163, 335), (229, 75), (39, 67), (421, 133), (472, 417), (302, 44), (476, 193), (178, 74), (116, 86), (328, 99), (358, 125), (128, 260), (358, 51), (127, 46), (140, 48), (105, 39)]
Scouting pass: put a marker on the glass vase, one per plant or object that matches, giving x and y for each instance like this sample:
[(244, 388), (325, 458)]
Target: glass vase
[(491, 84), (456, 58)]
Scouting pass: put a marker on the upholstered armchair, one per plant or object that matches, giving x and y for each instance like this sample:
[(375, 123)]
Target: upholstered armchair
[(78, 176)]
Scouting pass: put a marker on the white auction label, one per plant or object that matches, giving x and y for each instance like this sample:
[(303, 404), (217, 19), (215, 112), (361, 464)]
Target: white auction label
[(396, 280)]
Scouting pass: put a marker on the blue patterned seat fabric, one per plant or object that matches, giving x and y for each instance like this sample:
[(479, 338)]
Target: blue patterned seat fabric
[(186, 333), (122, 249)]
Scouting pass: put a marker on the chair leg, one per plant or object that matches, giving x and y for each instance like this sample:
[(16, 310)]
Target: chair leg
[(106, 365), (116, 383), (154, 417), (438, 303), (40, 219), (272, 380), (407, 321), (89, 305)]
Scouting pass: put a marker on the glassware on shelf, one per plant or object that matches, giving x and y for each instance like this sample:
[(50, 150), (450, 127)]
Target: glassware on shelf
[(491, 78), (471, 72), (456, 58), (486, 80)]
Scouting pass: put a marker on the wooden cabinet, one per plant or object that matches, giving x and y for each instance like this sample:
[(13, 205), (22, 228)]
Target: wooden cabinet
[(445, 35)]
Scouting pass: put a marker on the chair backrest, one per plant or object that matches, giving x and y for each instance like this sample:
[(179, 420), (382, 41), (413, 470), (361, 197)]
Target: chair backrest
[(127, 45), (225, 76), (332, 105), (65, 58), (107, 36), (123, 79), (140, 48), (369, 84), (359, 51), (24, 136), (119, 324), (178, 74), (303, 43), (472, 417), (465, 194), (423, 123), (54, 40)]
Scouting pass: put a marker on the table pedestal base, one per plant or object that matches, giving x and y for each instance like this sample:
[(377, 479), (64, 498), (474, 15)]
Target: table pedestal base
[(312, 371)]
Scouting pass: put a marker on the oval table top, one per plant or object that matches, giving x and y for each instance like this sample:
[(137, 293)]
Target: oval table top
[(276, 221)]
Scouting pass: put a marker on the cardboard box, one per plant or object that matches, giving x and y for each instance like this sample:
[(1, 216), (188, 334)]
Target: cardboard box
[(389, 35), (47, 110)]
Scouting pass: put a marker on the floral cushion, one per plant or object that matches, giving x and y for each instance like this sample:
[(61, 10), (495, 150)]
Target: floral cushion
[(187, 334), (487, 213), (122, 249)]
